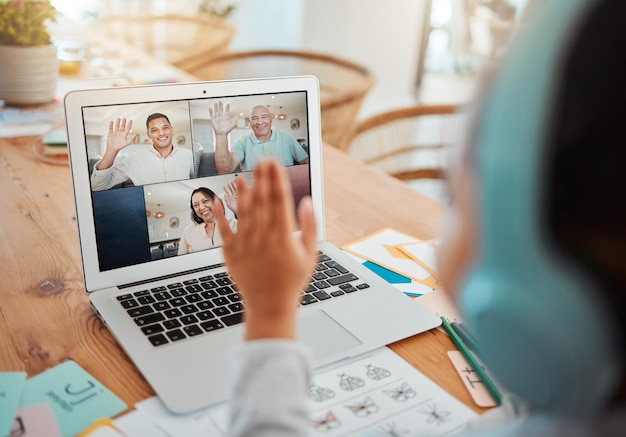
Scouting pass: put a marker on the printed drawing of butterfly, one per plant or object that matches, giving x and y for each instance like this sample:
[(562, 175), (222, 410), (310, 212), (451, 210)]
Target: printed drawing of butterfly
[(434, 416), (402, 393), (364, 408), (390, 430), (326, 423)]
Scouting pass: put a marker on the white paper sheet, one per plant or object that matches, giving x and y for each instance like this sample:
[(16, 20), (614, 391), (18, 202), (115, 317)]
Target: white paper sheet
[(377, 393)]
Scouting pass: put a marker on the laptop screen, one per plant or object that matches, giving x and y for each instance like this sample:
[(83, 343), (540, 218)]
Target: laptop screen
[(142, 212), (153, 185)]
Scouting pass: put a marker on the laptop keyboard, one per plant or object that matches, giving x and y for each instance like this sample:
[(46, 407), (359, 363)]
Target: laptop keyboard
[(193, 307)]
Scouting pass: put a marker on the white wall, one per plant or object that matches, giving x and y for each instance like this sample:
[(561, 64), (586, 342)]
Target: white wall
[(382, 35)]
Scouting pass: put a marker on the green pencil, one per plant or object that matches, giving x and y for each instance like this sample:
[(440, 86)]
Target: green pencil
[(473, 362)]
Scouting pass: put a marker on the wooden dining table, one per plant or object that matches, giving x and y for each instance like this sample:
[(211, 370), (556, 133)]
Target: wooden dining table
[(45, 315)]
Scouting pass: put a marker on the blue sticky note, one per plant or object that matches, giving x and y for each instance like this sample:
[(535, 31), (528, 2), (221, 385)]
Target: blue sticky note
[(388, 275), (77, 398), (11, 386)]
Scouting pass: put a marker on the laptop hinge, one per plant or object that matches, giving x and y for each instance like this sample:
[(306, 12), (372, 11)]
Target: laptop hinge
[(174, 275)]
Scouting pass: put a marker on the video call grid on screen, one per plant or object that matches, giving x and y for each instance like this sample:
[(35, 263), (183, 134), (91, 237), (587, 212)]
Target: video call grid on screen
[(127, 230)]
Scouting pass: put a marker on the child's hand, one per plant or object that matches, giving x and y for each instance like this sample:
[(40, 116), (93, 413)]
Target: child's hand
[(268, 263)]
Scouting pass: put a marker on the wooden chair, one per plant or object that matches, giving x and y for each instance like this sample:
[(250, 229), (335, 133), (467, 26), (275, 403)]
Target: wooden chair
[(343, 84), (171, 37), (412, 144)]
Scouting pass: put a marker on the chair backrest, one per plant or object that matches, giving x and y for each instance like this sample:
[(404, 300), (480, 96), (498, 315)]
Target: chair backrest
[(409, 143), (343, 84), (172, 37)]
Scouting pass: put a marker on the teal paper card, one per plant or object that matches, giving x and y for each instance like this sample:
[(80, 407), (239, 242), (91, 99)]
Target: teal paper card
[(11, 386), (77, 398)]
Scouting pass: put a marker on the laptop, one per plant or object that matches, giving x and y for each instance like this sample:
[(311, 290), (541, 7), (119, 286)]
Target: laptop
[(178, 315)]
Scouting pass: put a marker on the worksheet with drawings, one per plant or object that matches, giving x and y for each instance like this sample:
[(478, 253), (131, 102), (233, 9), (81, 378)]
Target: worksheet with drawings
[(380, 394)]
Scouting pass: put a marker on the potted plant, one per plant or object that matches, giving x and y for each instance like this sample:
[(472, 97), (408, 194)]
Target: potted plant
[(30, 67)]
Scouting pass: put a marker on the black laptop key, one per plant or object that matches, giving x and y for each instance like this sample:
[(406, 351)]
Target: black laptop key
[(193, 330), (140, 311), (195, 288), (308, 299), (141, 293), (208, 285), (322, 257), (178, 292), (149, 319), (193, 298), (172, 313), (349, 288), (188, 320), (335, 265), (178, 301), (162, 295), (190, 281), (144, 300), (158, 340), (209, 294), (321, 284), (310, 288), (221, 311), (175, 285), (175, 335), (158, 289), (342, 279), (205, 305), (321, 295), (124, 297), (363, 286), (318, 276), (221, 301), (129, 303), (233, 319), (337, 293), (223, 291), (189, 309), (205, 278), (331, 273), (152, 329), (236, 307), (161, 306), (221, 275), (172, 324), (234, 297), (223, 281), (205, 315), (211, 325)]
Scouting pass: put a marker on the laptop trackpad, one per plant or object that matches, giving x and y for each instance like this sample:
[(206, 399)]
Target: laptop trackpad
[(325, 336)]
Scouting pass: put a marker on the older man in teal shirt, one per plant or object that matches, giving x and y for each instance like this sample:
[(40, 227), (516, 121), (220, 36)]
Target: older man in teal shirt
[(262, 142)]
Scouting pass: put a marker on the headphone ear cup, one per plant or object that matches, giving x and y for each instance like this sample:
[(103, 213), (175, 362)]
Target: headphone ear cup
[(510, 345), (546, 337)]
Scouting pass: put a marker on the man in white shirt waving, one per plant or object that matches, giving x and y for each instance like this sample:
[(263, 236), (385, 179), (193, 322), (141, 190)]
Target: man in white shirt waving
[(160, 163)]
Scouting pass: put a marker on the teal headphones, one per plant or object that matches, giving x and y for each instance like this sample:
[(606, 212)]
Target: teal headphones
[(543, 327)]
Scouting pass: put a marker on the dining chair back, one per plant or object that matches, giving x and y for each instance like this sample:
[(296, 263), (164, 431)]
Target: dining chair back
[(413, 144), (343, 83)]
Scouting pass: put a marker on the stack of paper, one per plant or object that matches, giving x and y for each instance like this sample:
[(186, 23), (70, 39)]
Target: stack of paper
[(406, 262)]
